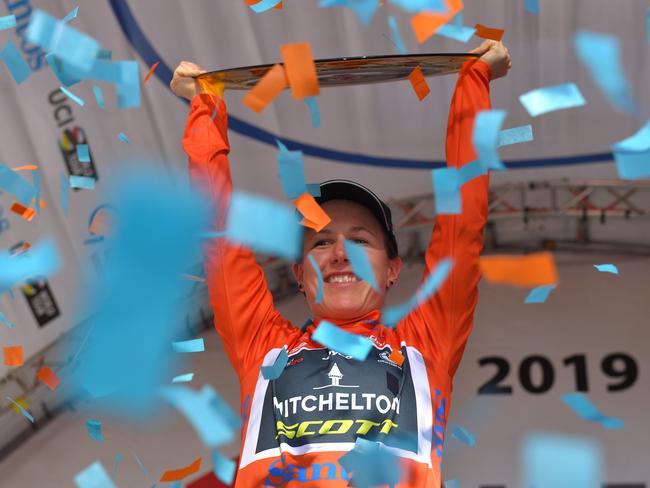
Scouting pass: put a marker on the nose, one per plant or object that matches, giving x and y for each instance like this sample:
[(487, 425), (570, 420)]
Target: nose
[(338, 251)]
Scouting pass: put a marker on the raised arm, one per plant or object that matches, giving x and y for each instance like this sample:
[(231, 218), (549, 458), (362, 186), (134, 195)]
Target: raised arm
[(244, 314), (443, 323)]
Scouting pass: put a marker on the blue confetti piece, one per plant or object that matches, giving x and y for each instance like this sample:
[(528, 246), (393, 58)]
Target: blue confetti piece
[(5, 320), (452, 484), (99, 96), (397, 36), (341, 341), (15, 63), (587, 411), (82, 153), (314, 111), (63, 41), (7, 22), (463, 435), (638, 142), (94, 429), (371, 464), (601, 55), (313, 189), (470, 171), (142, 468), (122, 137), (319, 276), (415, 6), (116, 464), (58, 68), (208, 413), (94, 476), (446, 191), (552, 98), (105, 54), (552, 461), (85, 182), (516, 135), (224, 468), (273, 372), (539, 294), (532, 6), (485, 137), (263, 6), (632, 165), (193, 345), (128, 90), (291, 172), (458, 33), (183, 378), (13, 183), (41, 259), (64, 193), (365, 9), (392, 315), (264, 225), (36, 178), (606, 268), (71, 15), (72, 96), (360, 263), (22, 409)]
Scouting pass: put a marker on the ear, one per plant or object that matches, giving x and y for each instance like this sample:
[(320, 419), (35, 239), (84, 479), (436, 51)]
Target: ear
[(297, 270), (394, 269)]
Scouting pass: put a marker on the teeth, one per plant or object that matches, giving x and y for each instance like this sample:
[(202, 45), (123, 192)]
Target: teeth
[(342, 279)]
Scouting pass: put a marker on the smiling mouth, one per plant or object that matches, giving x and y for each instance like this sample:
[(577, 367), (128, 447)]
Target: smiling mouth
[(341, 279)]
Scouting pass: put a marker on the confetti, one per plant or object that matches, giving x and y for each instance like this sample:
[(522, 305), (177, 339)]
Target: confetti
[(341, 341), (587, 411), (122, 137), (7, 22), (49, 377), (128, 89), (365, 9), (371, 464), (489, 32), (531, 270), (419, 84), (142, 468), (273, 372), (22, 410), (264, 5), (552, 461), (224, 468), (116, 464), (264, 225), (94, 476), (63, 41), (397, 37), (452, 484), (5, 320), (183, 378), (179, 474), (71, 15), (458, 33), (392, 315), (82, 153), (463, 435), (485, 137), (13, 355), (151, 70), (267, 89), (606, 268), (58, 68), (25, 212), (99, 96), (539, 294), (319, 277), (515, 135), (94, 429), (446, 191), (632, 165), (314, 215), (13, 183), (193, 345), (85, 182), (15, 63), (208, 413), (414, 6), (360, 263), (72, 96), (396, 356), (41, 260), (300, 69), (532, 6), (291, 172), (313, 189), (314, 111), (551, 98), (426, 24), (601, 55)]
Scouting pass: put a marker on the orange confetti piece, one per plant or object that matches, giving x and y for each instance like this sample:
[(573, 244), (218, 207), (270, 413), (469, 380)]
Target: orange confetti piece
[(419, 84), (27, 167), (17, 251), (151, 70), (532, 270), (396, 357), (301, 70), (100, 224), (49, 377), (265, 91), (179, 474), (25, 212), (253, 2), (13, 355), (43, 204), (489, 32), (426, 24), (314, 216), (19, 401)]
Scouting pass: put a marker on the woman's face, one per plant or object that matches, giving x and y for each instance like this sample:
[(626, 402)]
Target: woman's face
[(345, 297)]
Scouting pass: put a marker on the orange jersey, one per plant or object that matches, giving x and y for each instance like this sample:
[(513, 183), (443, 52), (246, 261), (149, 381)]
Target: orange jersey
[(295, 428)]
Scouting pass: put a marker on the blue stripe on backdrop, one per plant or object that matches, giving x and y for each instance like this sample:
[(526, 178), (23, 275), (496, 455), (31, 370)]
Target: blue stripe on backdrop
[(164, 73)]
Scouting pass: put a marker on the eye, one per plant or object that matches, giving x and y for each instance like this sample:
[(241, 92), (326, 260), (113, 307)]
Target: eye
[(322, 242), (360, 241)]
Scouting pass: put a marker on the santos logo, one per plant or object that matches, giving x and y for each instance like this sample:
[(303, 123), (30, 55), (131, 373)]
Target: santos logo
[(278, 476)]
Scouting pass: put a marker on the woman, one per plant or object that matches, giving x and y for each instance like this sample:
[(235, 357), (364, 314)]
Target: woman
[(295, 428)]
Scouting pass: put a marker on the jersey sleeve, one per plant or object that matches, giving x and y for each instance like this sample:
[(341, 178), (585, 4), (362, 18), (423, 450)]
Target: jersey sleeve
[(442, 324), (244, 314)]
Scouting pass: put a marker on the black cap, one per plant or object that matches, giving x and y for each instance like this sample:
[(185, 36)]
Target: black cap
[(354, 192)]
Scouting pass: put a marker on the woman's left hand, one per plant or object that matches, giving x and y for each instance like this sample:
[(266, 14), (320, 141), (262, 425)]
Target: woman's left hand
[(496, 55)]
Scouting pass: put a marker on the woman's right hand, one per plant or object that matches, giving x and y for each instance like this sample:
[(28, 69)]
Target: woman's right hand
[(183, 83)]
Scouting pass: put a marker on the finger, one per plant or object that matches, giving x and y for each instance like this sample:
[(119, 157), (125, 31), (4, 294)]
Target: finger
[(483, 47)]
